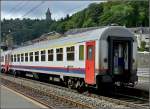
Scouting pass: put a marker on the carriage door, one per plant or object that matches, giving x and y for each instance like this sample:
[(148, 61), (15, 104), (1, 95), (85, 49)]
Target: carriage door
[(90, 62)]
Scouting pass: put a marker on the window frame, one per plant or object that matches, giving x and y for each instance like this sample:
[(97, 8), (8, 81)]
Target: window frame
[(69, 51), (36, 56), (31, 56), (18, 57), (90, 55), (51, 55), (26, 57), (59, 51), (43, 55), (12, 58), (15, 57), (22, 57)]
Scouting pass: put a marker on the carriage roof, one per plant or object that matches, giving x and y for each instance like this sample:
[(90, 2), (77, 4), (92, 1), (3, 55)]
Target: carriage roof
[(96, 34)]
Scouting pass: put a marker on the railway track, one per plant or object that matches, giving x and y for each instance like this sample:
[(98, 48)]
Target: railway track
[(43, 96), (126, 100), (24, 92), (119, 99)]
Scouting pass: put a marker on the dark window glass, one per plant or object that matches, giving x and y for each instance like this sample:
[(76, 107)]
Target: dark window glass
[(26, 57), (50, 55), (11, 58), (81, 52), (15, 59), (37, 56), (43, 57), (18, 57), (31, 56), (22, 57), (59, 53), (70, 53)]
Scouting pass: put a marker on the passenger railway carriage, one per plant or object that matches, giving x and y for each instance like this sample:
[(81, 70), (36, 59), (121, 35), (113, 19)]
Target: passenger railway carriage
[(91, 58)]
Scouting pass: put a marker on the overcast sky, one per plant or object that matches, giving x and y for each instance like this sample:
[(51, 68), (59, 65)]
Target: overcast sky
[(59, 9)]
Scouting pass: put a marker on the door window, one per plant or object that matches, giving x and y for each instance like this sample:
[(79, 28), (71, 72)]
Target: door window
[(90, 53)]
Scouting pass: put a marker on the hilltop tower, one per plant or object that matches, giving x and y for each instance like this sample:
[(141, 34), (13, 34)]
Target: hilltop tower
[(48, 15)]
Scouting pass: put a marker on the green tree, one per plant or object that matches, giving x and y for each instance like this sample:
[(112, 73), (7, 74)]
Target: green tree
[(128, 13), (143, 44)]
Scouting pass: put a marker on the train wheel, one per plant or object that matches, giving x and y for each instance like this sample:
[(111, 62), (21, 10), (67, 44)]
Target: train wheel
[(35, 76), (80, 86), (70, 83), (2, 70), (16, 73)]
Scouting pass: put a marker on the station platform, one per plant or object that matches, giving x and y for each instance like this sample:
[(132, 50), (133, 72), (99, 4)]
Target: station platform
[(13, 100)]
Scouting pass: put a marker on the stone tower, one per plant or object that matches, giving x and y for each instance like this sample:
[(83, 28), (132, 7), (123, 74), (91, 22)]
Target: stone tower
[(48, 15)]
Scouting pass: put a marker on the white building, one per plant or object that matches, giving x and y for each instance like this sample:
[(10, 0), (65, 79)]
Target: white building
[(142, 34)]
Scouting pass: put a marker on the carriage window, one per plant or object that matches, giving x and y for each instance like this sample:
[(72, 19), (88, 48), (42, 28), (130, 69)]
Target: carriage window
[(31, 56), (50, 55), (70, 53), (15, 58), (81, 52), (26, 57), (5, 57), (11, 58), (22, 57), (59, 53), (90, 53), (43, 55), (2, 59), (37, 56), (18, 57)]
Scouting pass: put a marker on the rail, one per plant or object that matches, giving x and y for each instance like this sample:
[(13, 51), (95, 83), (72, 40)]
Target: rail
[(125, 100)]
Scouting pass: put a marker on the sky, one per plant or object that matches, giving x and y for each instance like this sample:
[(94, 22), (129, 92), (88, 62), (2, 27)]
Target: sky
[(37, 9)]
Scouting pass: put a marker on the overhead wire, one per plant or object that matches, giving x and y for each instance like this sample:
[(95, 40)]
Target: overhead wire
[(22, 7), (16, 7), (34, 8), (39, 14), (13, 8)]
